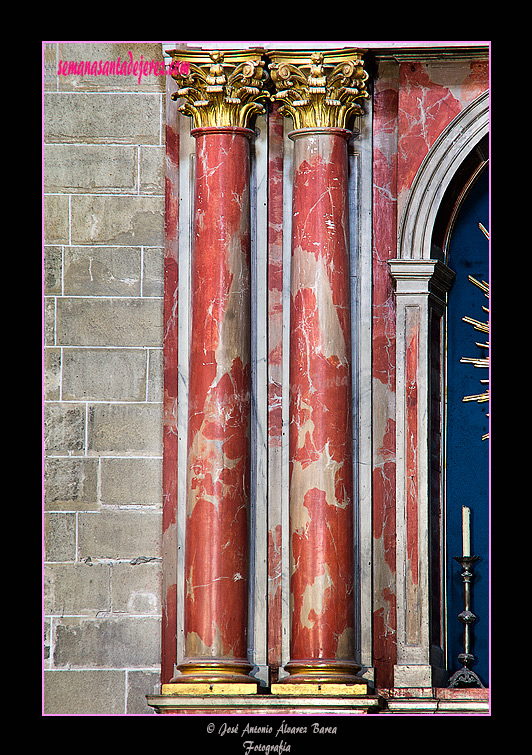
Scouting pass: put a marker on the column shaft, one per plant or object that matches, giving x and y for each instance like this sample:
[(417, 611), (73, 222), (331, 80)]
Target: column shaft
[(217, 537), (321, 92), (321, 474), (222, 92)]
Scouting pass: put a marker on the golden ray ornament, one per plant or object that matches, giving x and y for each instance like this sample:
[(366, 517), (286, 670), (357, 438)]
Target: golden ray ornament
[(482, 327)]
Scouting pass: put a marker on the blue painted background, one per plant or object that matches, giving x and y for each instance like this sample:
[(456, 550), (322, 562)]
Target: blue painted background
[(467, 453)]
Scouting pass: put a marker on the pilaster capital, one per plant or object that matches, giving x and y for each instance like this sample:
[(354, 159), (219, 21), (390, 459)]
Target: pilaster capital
[(421, 277), (321, 89), (220, 89)]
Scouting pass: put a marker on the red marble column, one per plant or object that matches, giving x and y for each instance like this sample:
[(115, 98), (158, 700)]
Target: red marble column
[(321, 474), (170, 397), (217, 538)]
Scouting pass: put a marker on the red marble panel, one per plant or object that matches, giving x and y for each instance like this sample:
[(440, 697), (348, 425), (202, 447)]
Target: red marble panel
[(275, 382), (425, 109), (476, 81), (275, 273), (385, 106)]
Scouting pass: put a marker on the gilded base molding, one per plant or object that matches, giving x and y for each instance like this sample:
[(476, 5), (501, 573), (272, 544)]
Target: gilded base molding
[(209, 688), (321, 689)]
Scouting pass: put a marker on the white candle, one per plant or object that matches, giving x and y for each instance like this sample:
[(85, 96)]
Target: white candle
[(466, 517)]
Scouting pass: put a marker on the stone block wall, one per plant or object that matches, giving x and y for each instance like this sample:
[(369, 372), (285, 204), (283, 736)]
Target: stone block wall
[(103, 173)]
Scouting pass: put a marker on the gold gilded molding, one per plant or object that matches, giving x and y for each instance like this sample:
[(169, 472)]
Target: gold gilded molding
[(220, 89), (207, 688), (321, 89), (322, 690)]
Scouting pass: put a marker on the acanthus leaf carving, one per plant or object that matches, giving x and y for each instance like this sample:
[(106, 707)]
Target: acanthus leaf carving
[(320, 90), (221, 89)]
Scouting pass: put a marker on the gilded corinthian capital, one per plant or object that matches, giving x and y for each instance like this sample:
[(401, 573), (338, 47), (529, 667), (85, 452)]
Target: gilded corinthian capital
[(220, 88), (320, 89)]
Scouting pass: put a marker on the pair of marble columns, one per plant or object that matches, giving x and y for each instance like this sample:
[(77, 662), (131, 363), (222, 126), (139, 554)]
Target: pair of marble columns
[(222, 92)]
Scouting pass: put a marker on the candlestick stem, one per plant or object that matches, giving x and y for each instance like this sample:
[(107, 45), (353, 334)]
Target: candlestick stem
[(465, 677)]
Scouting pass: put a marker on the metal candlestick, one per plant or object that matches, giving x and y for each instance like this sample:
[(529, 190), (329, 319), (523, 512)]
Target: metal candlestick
[(464, 677)]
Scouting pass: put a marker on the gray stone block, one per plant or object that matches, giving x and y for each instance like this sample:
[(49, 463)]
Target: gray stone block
[(120, 429), (49, 320), (136, 588), (74, 117), (81, 588), (125, 534), (49, 67), (56, 219), (109, 322), (153, 272), (104, 374), (102, 271), (71, 483), (59, 536), (131, 481), (107, 642), (73, 692), (140, 684), (117, 52), (52, 270), (155, 375), (117, 220), (47, 640), (90, 168), (152, 168), (52, 374), (64, 429)]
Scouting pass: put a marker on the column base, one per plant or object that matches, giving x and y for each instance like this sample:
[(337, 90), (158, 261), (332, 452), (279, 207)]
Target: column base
[(202, 677), (327, 678)]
